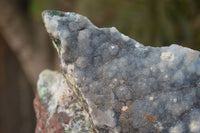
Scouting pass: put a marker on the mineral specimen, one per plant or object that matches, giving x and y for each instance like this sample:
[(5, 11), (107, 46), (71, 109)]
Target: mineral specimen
[(123, 86)]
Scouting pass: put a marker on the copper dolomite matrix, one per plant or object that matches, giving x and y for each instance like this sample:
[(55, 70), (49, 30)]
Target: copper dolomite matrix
[(118, 85)]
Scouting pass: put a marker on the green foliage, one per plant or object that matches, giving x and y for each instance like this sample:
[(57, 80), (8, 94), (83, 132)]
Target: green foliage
[(37, 6)]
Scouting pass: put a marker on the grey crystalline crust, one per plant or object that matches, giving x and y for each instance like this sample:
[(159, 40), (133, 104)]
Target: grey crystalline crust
[(127, 87)]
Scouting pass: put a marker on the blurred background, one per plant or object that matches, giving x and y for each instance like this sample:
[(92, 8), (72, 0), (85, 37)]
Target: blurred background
[(25, 47)]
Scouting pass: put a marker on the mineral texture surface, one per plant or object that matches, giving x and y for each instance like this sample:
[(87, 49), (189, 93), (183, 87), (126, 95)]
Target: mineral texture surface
[(119, 85), (57, 108)]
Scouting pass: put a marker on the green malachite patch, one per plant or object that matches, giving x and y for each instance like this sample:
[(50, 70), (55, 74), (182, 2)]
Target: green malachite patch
[(42, 92), (54, 13), (56, 41), (88, 125)]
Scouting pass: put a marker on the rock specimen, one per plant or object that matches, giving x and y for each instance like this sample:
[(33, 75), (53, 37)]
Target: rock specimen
[(120, 85)]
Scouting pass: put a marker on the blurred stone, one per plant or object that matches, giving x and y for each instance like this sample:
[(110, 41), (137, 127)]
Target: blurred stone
[(121, 85)]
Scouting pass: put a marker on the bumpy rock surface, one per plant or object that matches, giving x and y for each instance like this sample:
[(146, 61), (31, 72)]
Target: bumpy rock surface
[(57, 108), (123, 86)]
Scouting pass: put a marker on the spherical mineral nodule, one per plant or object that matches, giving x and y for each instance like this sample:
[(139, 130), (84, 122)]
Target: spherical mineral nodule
[(82, 62)]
